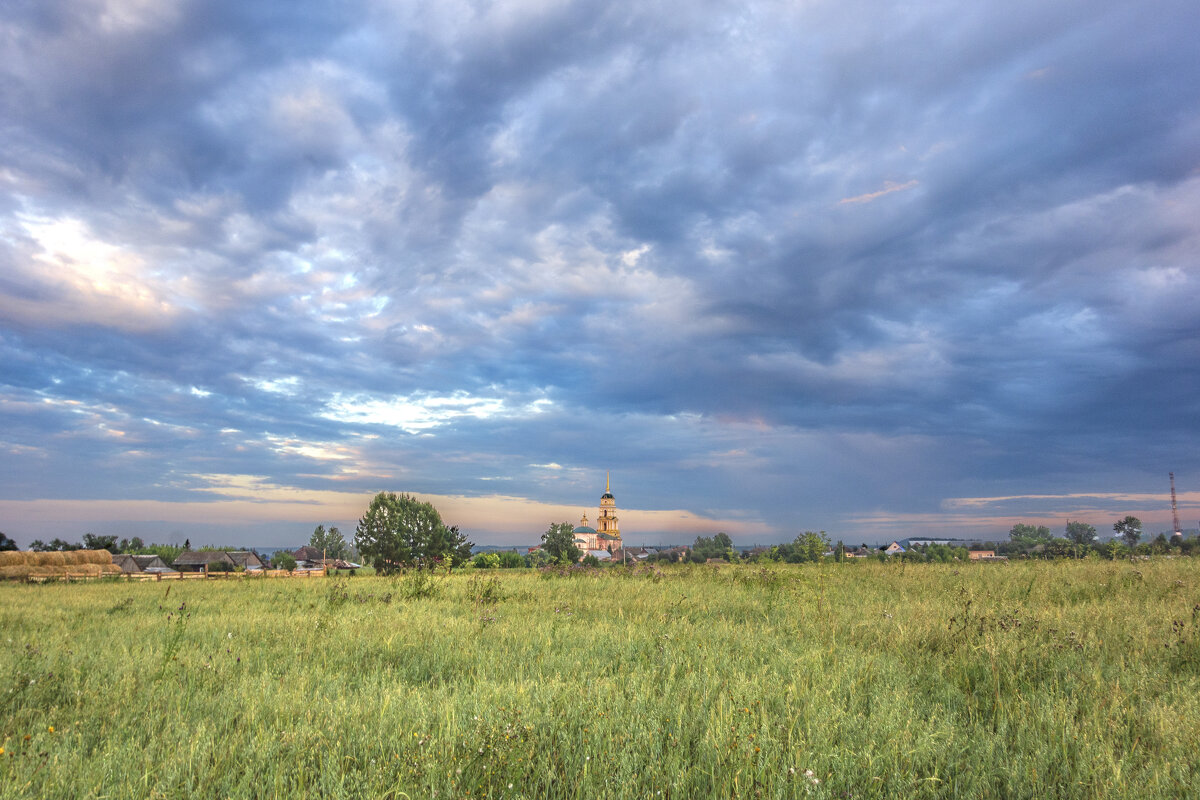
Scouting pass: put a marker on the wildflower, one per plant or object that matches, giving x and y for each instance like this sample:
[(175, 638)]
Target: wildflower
[(510, 786), (1, 751), (52, 729)]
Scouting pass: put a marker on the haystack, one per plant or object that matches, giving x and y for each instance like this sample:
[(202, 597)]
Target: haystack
[(25, 565), (88, 557), (47, 559)]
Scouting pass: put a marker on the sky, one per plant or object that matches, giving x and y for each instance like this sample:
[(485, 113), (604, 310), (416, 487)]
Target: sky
[(877, 269)]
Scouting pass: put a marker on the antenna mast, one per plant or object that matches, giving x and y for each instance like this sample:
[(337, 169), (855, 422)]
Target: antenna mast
[(1175, 509)]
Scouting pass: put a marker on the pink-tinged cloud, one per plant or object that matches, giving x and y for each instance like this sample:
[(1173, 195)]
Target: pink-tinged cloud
[(247, 500), (888, 188)]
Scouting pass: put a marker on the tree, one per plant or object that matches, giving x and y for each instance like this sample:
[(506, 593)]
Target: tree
[(399, 531), (130, 545), (283, 560), (1028, 535), (57, 544), (187, 544), (719, 546), (511, 559), (330, 542), (6, 543), (810, 546), (487, 561), (1080, 532), (559, 543), (1129, 529), (93, 541)]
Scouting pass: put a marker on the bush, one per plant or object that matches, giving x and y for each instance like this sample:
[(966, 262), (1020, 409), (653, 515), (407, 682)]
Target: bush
[(511, 559), (220, 566), (284, 561), (487, 561)]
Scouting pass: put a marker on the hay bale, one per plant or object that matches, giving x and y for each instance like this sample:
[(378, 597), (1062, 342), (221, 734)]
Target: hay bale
[(111, 569), (91, 570), (12, 558), (47, 560), (16, 571), (92, 557)]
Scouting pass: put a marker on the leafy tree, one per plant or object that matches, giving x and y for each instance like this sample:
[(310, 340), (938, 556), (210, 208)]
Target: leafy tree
[(133, 545), (6, 543), (1029, 535), (591, 561), (283, 560), (38, 546), (330, 542), (811, 546), (1081, 532), (93, 541), (187, 544), (539, 558), (400, 531), (559, 543), (1129, 529), (719, 546), (456, 546), (487, 561), (511, 559)]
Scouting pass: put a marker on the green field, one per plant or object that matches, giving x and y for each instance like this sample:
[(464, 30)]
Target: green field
[(1047, 679)]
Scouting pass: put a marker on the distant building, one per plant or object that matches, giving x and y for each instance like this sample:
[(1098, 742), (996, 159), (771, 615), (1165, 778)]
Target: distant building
[(607, 535), (895, 548), (197, 560), (138, 564)]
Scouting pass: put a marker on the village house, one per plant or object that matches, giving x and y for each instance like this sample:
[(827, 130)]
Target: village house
[(230, 560), (309, 557), (138, 564)]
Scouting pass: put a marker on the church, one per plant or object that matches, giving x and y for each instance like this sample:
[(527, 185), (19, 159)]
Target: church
[(608, 535)]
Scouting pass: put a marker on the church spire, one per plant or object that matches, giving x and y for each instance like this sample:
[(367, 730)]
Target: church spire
[(606, 477)]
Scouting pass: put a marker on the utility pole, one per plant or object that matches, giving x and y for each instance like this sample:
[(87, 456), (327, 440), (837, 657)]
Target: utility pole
[(1178, 535)]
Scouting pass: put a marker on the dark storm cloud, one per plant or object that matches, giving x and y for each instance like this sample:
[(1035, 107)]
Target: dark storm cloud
[(933, 250)]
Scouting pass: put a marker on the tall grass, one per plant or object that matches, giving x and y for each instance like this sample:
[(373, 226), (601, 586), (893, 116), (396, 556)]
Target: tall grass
[(980, 680)]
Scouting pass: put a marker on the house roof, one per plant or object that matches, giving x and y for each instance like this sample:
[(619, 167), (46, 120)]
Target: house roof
[(195, 558), (152, 563), (308, 553), (603, 555), (127, 563), (584, 529), (244, 558)]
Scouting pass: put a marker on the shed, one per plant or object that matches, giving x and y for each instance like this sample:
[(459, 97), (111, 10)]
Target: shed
[(197, 560)]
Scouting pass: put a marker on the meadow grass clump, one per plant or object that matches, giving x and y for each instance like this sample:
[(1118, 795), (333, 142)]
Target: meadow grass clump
[(867, 680)]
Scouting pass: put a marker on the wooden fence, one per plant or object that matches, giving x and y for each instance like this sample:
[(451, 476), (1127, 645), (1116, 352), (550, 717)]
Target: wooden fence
[(182, 576), (252, 574)]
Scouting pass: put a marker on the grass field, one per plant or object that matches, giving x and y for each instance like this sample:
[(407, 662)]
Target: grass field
[(1022, 680)]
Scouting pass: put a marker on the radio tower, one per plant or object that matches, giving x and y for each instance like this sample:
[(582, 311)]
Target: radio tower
[(1175, 510)]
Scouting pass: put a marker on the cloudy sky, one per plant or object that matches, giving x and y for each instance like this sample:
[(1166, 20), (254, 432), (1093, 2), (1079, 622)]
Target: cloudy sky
[(874, 268)]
